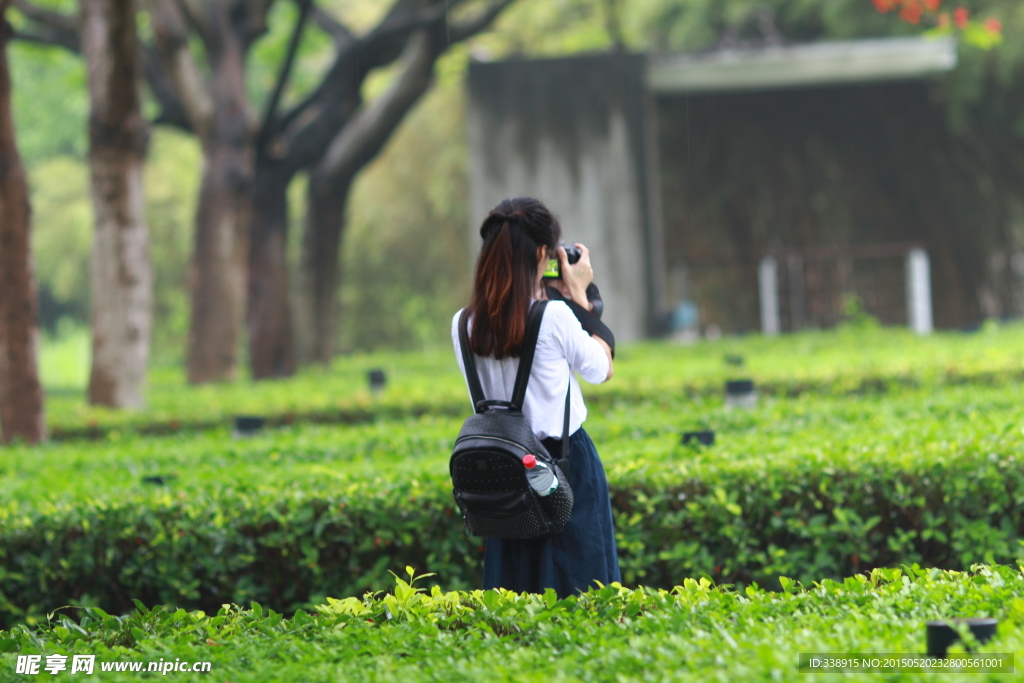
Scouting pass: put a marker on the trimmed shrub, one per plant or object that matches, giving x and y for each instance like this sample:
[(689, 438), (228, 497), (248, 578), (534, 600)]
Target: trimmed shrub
[(808, 517), (695, 632)]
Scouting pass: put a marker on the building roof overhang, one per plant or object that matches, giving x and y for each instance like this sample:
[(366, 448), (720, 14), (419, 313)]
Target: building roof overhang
[(828, 63)]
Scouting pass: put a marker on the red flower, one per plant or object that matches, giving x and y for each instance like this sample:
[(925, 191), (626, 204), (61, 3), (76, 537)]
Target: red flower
[(911, 14), (932, 5), (960, 17), (994, 26), (944, 20), (883, 5)]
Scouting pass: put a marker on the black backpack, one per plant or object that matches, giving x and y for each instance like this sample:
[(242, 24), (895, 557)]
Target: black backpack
[(488, 475)]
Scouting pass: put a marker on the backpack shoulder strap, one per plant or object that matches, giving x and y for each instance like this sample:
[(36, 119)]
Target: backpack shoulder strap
[(533, 320), (565, 419), (476, 391)]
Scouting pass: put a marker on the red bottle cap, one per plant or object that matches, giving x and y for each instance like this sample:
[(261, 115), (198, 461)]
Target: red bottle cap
[(529, 462)]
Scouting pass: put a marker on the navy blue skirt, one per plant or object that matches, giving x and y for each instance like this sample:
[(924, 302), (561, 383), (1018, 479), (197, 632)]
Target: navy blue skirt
[(581, 553)]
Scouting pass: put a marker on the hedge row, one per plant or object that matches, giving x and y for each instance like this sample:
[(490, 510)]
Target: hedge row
[(453, 402), (836, 361), (695, 632), (810, 517), (897, 424)]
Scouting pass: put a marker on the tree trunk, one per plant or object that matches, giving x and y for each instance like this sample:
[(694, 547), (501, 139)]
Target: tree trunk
[(219, 260), (317, 314), (122, 277), (21, 396), (271, 348)]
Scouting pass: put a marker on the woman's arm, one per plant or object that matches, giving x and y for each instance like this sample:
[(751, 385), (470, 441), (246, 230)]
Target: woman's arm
[(588, 355), (608, 353), (575, 279)]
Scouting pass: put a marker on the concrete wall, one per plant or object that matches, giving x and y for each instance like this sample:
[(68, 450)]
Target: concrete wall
[(573, 133)]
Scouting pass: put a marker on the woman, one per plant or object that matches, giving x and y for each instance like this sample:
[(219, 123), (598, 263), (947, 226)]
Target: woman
[(519, 236)]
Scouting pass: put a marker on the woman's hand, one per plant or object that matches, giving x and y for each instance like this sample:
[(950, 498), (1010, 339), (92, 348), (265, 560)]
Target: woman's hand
[(576, 277)]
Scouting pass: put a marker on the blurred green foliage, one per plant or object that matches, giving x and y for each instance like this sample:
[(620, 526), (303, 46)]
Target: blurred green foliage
[(810, 488), (62, 234), (853, 359), (406, 255), (695, 632), (868, 447), (51, 105)]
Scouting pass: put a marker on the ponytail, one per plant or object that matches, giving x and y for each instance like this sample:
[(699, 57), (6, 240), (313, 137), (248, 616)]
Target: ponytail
[(506, 272)]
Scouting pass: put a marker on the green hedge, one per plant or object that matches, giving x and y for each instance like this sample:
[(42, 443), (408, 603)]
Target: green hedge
[(809, 516), (451, 401), (838, 361), (320, 458), (695, 632)]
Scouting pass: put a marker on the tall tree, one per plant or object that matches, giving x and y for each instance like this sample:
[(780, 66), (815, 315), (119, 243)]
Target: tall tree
[(331, 181), (333, 134), (217, 110), (122, 277), (250, 161), (21, 396)]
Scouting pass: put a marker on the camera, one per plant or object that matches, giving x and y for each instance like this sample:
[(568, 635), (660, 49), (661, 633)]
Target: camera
[(554, 272), (572, 254)]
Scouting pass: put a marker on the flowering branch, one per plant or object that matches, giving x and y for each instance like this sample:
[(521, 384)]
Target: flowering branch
[(985, 34)]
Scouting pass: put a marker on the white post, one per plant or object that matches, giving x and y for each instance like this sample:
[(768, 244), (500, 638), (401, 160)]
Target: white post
[(796, 292), (768, 279), (919, 291)]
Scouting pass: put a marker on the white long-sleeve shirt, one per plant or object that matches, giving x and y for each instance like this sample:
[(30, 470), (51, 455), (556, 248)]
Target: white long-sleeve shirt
[(562, 344)]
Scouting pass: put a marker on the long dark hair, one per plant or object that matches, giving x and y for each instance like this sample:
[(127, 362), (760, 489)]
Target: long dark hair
[(506, 271)]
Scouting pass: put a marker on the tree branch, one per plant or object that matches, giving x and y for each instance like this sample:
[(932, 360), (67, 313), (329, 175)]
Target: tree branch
[(370, 127), (61, 30), (324, 120), (199, 14), (468, 29), (256, 24), (172, 111), (385, 43), (51, 28), (282, 79), (381, 46), (58, 20), (182, 72), (46, 38), (331, 26)]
